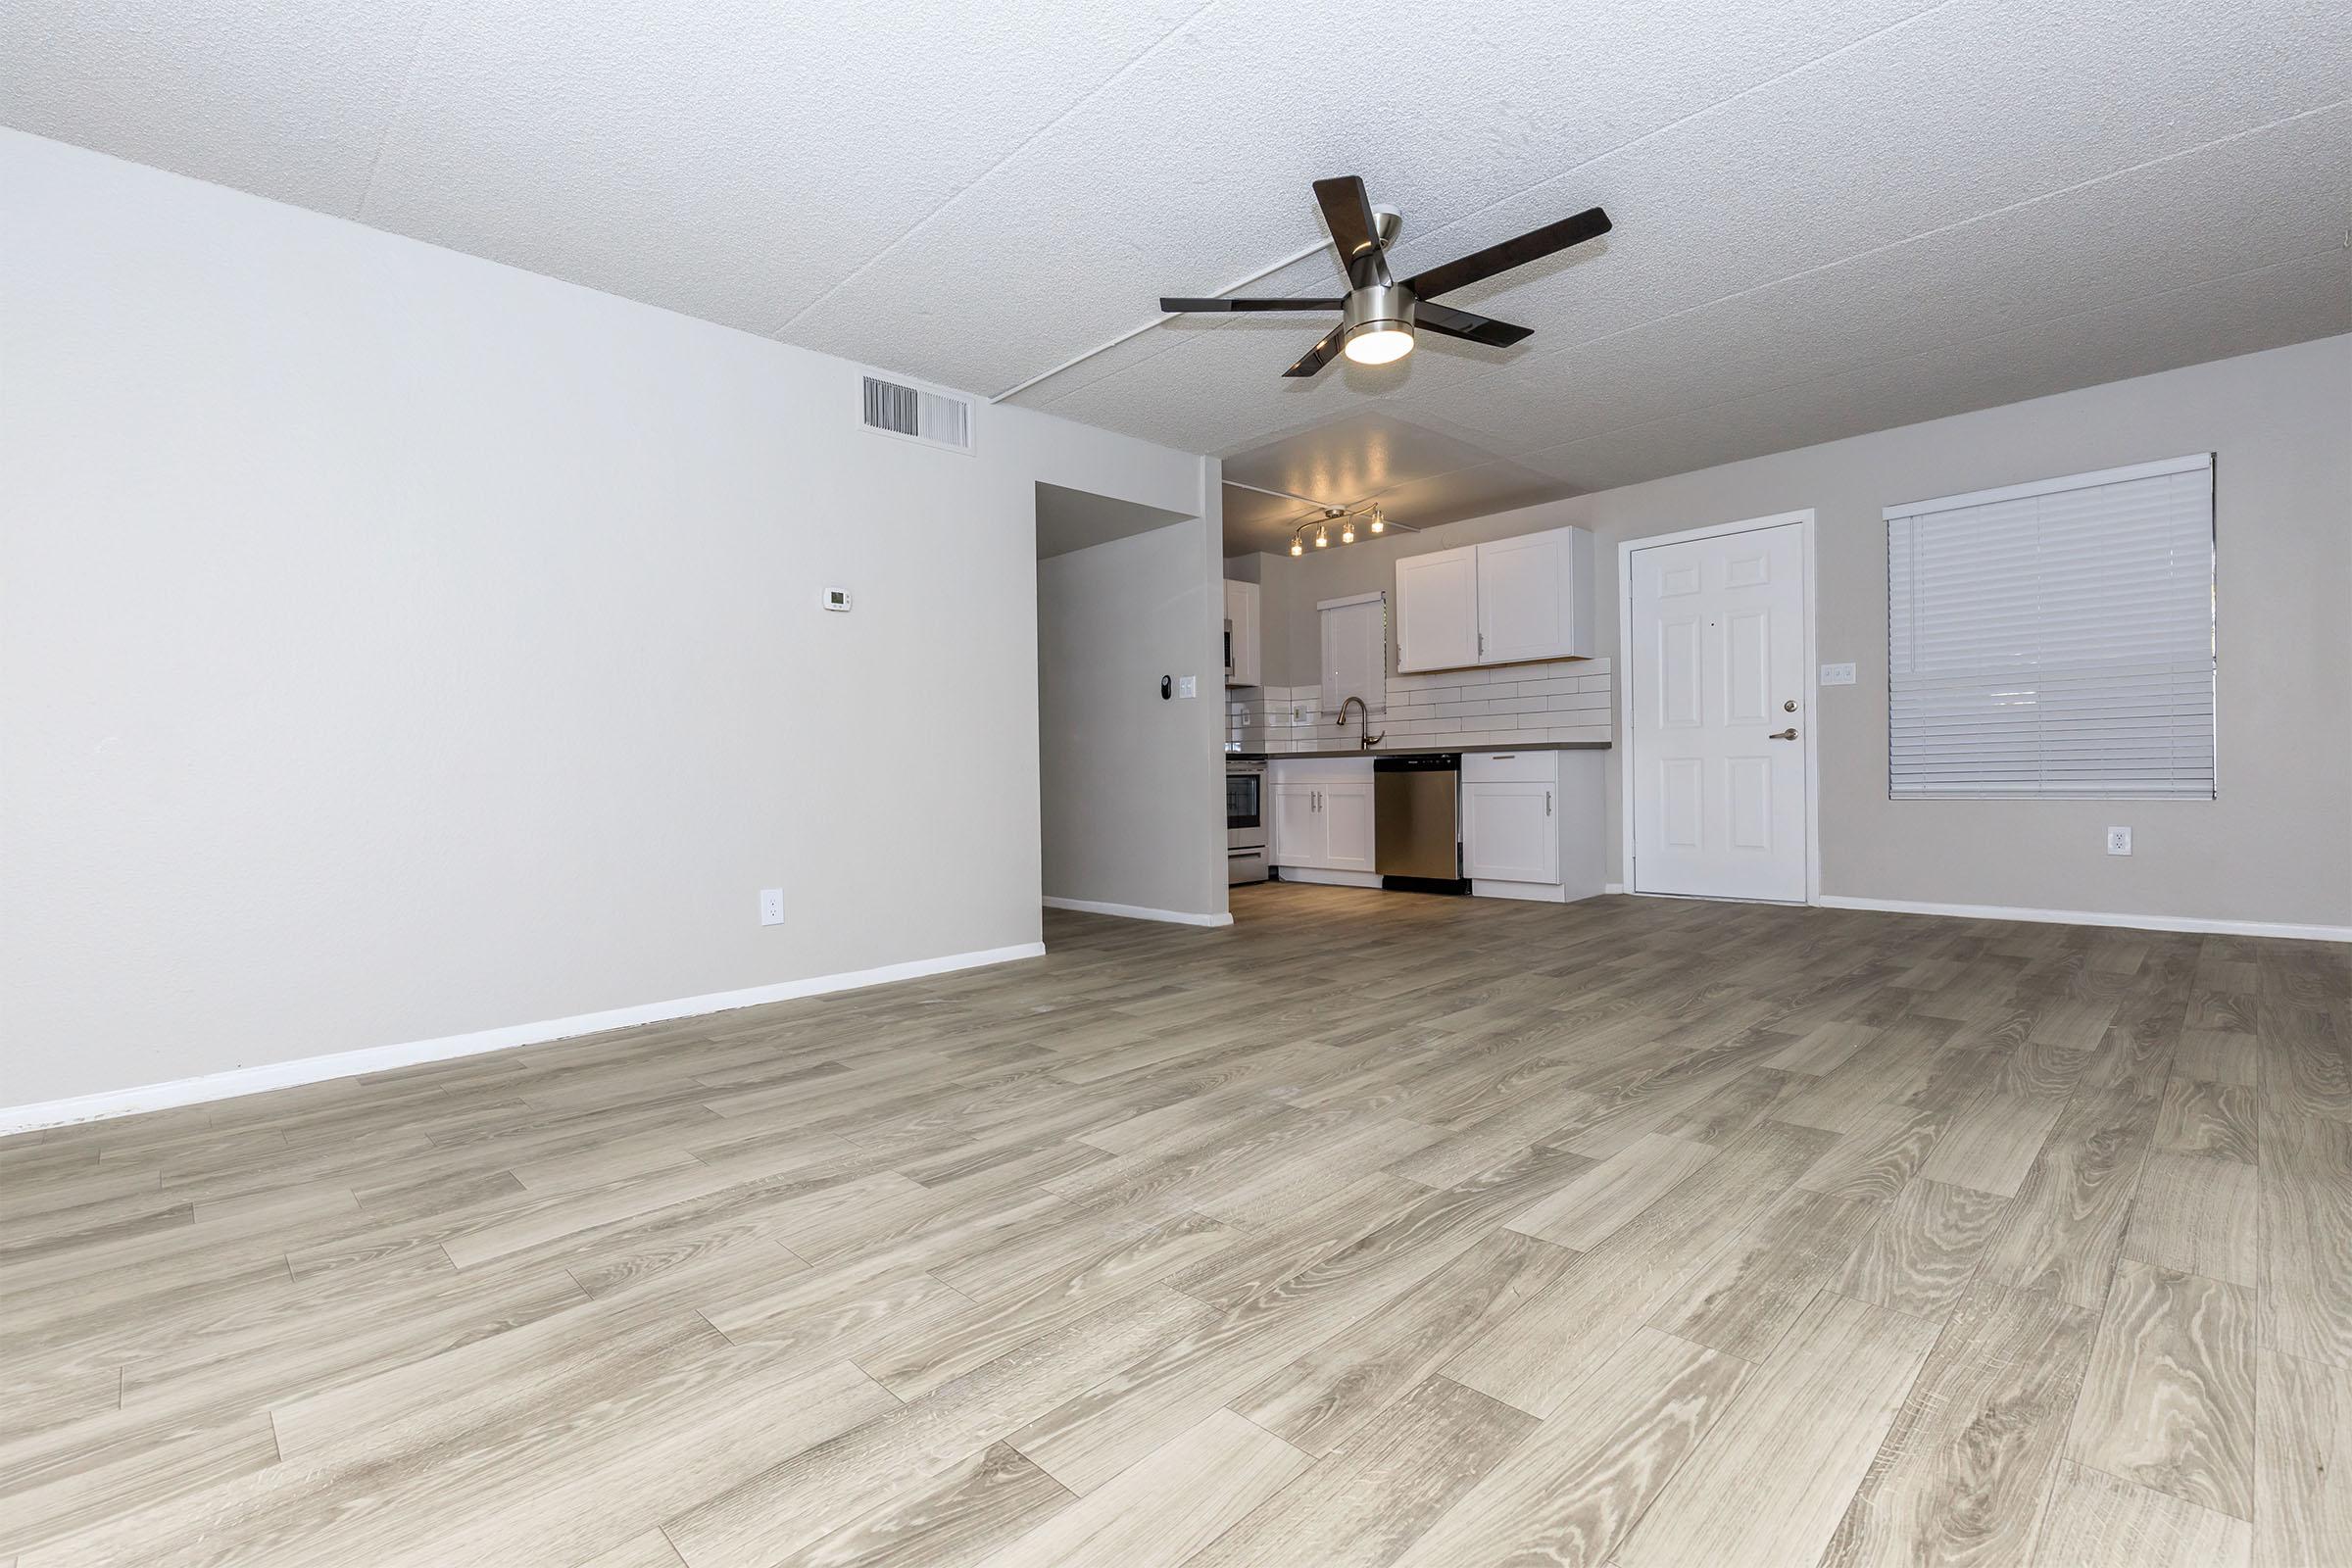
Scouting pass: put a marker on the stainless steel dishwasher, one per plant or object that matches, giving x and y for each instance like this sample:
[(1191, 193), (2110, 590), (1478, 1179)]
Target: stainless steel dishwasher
[(1416, 822)]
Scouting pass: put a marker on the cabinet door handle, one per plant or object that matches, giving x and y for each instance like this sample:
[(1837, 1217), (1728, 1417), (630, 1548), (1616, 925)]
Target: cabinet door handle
[(1548, 803), (1482, 642)]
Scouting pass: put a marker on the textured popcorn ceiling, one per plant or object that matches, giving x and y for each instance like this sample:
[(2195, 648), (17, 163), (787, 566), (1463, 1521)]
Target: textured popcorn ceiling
[(1831, 216)]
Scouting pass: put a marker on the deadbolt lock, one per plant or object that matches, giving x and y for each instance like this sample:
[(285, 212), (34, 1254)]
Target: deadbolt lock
[(1788, 707)]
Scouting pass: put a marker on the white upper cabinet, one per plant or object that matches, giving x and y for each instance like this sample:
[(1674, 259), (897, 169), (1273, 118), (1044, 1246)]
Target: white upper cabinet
[(1241, 667), (1437, 610), (1500, 603), (1531, 596)]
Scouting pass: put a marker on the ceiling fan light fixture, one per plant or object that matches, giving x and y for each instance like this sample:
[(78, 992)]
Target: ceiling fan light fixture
[(1380, 343), (1376, 324)]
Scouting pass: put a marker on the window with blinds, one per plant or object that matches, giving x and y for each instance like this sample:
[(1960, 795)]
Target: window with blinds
[(2054, 639)]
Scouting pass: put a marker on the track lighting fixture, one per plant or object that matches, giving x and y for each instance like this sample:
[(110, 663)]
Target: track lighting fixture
[(1345, 516)]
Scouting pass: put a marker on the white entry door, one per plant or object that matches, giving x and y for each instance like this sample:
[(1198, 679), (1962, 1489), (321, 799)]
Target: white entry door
[(1717, 714)]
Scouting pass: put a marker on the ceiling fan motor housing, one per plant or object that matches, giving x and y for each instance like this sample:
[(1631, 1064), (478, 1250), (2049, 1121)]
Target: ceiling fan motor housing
[(1377, 308)]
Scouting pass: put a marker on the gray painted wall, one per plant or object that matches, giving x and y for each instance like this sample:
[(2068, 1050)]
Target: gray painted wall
[(1114, 619), (2275, 845), (397, 644)]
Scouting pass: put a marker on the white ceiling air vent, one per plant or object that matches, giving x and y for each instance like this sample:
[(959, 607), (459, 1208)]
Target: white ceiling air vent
[(915, 414)]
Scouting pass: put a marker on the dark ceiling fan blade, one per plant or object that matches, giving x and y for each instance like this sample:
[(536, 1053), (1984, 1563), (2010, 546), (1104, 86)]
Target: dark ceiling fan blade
[(1317, 357), (1220, 305), (1531, 246), (1444, 320), (1348, 213)]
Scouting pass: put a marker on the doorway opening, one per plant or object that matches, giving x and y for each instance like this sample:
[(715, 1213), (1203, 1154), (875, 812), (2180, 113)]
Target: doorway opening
[(1129, 709)]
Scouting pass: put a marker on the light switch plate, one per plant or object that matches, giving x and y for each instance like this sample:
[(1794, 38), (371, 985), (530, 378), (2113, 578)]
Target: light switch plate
[(1836, 674), (1187, 686)]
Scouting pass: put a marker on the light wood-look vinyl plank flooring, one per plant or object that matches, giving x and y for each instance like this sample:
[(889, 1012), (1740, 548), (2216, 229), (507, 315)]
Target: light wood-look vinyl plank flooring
[(1375, 1229)]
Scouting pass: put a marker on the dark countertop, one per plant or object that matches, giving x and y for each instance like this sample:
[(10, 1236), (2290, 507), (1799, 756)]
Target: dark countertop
[(1412, 751)]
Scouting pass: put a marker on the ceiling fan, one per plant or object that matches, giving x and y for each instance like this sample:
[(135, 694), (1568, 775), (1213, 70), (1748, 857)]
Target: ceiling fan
[(1379, 314)]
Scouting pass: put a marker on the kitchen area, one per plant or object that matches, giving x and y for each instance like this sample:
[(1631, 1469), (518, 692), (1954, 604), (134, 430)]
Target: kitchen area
[(1451, 737)]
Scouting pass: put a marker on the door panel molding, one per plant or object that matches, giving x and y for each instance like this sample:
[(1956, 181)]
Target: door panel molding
[(1630, 683)]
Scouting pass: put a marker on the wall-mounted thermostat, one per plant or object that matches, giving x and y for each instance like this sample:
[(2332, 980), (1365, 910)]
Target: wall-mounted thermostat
[(837, 599)]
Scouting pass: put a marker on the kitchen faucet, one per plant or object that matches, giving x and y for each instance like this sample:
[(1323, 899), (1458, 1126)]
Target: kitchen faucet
[(1369, 740)]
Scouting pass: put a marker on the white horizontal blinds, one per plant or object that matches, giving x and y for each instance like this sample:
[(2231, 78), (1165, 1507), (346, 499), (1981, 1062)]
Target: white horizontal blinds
[(2054, 640)]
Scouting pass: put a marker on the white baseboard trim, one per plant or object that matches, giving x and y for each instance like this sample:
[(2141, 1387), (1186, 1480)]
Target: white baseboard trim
[(1330, 879), (1136, 912), (1530, 892), (2129, 922), (240, 1081)]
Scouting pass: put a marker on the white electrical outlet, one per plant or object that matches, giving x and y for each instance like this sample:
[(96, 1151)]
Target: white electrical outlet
[(1187, 686), (772, 906), (1836, 674), (2119, 841)]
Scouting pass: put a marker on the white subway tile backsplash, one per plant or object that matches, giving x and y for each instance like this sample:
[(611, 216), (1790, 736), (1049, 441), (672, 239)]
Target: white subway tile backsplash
[(1564, 699)]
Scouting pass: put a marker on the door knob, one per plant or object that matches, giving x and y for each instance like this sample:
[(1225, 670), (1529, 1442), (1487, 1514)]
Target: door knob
[(1788, 734)]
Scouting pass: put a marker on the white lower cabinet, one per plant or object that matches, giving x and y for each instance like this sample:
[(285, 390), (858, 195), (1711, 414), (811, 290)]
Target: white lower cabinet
[(1533, 824), (1297, 828), (1347, 826), (1323, 814), (1513, 833)]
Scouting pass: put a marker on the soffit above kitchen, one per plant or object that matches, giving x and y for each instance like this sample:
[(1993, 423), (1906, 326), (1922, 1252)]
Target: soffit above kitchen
[(1829, 217), (1420, 475)]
